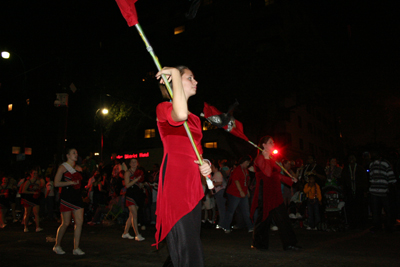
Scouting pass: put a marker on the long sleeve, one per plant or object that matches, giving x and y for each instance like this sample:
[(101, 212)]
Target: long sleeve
[(264, 166)]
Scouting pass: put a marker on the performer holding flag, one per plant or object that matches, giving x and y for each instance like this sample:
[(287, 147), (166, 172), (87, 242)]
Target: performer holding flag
[(180, 190), (268, 200)]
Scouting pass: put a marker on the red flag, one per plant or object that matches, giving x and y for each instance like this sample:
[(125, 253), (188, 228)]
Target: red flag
[(210, 110), (238, 130), (128, 10), (225, 121)]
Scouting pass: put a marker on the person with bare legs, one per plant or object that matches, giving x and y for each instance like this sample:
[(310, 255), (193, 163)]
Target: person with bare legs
[(30, 199), (68, 177), (132, 177)]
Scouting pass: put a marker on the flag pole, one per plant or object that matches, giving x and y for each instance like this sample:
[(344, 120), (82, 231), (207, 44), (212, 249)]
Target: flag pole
[(280, 165), (167, 84)]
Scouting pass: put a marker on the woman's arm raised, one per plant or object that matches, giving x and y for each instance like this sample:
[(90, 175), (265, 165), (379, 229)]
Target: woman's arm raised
[(180, 110)]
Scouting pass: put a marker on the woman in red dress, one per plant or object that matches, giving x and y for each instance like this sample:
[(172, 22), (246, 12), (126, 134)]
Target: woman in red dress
[(69, 178), (132, 178), (268, 200), (180, 189)]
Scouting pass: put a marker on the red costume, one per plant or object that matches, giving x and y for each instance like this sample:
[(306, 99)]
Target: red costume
[(71, 196), (130, 192), (179, 188), (270, 173)]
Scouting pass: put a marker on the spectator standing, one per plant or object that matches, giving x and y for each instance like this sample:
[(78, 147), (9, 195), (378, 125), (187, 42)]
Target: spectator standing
[(355, 185), (382, 181), (314, 198), (313, 168), (333, 172), (219, 187), (238, 195)]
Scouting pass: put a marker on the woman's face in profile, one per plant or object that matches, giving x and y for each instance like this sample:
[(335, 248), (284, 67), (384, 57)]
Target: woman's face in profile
[(189, 83)]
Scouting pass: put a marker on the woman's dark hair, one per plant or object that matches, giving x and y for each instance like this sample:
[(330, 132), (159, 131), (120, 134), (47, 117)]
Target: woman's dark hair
[(262, 141), (66, 152), (244, 158), (163, 88)]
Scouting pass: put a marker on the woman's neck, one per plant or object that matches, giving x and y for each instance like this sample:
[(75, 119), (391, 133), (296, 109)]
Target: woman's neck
[(71, 162)]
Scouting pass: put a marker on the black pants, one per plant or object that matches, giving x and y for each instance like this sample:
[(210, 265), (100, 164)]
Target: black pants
[(281, 219), (183, 241)]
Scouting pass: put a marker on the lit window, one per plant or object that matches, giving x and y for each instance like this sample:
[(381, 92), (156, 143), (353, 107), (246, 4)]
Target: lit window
[(149, 133), (179, 29), (96, 153), (269, 2), (208, 126), (10, 107), (16, 150), (210, 145), (28, 151)]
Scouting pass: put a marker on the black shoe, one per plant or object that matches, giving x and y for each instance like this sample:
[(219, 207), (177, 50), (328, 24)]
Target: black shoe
[(259, 248), (294, 248)]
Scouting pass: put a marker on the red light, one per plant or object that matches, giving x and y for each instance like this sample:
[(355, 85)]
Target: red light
[(275, 152)]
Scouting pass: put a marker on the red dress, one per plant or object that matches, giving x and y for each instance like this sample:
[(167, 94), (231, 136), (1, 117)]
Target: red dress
[(270, 173), (179, 187)]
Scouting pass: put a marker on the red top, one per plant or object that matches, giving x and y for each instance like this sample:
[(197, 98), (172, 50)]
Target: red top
[(179, 187), (239, 174), (270, 173), (138, 172)]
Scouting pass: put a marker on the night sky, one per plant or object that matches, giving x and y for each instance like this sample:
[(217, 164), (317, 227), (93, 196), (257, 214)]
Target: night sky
[(345, 54)]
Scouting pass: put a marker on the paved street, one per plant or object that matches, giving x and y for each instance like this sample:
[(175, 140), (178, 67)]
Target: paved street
[(105, 247)]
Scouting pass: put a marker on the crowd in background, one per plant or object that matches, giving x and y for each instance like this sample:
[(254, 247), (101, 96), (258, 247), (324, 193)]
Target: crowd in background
[(366, 189)]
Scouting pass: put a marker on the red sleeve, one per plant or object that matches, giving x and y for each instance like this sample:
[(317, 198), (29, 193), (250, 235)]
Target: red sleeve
[(286, 179), (264, 165), (164, 110)]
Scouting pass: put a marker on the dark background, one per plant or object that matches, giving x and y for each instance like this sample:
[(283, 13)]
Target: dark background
[(342, 55)]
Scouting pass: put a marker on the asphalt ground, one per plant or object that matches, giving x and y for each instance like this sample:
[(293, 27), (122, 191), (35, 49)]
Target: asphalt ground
[(105, 247)]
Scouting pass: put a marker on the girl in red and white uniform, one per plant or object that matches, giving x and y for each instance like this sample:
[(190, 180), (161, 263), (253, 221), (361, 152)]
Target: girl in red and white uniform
[(30, 199), (4, 201), (68, 177), (132, 178)]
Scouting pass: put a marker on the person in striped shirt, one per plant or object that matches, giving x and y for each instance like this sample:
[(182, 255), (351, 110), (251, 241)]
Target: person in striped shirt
[(382, 180)]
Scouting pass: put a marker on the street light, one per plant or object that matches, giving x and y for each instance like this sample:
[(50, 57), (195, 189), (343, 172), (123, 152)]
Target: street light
[(8, 56), (104, 111), (5, 55)]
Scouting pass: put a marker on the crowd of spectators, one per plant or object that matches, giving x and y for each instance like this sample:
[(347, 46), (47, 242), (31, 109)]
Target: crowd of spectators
[(367, 191), (366, 194)]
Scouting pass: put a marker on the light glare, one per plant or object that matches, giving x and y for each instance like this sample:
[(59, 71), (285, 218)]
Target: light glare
[(5, 54)]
